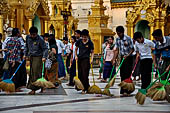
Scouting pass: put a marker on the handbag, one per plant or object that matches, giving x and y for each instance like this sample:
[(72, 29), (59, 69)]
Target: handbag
[(48, 64)]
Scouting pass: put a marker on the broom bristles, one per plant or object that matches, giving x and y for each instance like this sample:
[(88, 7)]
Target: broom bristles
[(107, 92), (128, 86), (159, 95), (43, 84), (94, 89), (140, 98), (8, 87), (78, 84)]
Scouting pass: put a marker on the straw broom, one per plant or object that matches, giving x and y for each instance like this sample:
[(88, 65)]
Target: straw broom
[(161, 93), (141, 95), (7, 84), (111, 83), (158, 89), (128, 83), (42, 82), (78, 84), (94, 89)]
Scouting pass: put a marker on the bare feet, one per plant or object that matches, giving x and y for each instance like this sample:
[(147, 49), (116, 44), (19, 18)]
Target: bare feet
[(32, 92), (103, 80), (83, 92)]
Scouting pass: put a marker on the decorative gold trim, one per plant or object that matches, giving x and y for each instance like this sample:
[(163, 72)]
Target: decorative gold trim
[(123, 5)]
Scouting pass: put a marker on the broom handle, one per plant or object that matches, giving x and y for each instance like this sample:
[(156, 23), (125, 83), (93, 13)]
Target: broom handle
[(152, 72), (118, 68), (134, 67), (159, 75), (17, 70), (43, 70), (155, 81), (92, 73)]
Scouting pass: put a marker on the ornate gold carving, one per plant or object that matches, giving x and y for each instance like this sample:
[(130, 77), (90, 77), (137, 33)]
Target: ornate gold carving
[(122, 5), (4, 7), (33, 7)]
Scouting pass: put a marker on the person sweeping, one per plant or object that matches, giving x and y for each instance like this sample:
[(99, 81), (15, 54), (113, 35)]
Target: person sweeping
[(86, 47), (143, 50), (124, 46), (162, 48), (14, 59), (36, 51)]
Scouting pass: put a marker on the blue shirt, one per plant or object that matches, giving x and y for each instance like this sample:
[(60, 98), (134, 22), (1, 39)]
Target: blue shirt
[(163, 48)]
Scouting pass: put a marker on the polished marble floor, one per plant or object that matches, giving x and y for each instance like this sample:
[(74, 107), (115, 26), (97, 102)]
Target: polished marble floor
[(67, 100)]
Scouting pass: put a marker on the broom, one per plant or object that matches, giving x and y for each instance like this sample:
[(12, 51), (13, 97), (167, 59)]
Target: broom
[(42, 82), (94, 89), (161, 92), (141, 95), (78, 84), (128, 83), (7, 84), (158, 89), (112, 81)]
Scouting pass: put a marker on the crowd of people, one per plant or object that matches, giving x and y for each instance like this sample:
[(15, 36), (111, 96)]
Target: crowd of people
[(37, 50)]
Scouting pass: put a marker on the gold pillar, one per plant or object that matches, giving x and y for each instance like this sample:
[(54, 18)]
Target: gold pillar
[(46, 26), (12, 23), (29, 23), (131, 30), (1, 24), (128, 30), (163, 28)]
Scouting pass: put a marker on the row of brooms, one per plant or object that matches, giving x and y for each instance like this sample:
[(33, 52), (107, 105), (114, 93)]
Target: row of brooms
[(8, 85), (94, 89), (156, 90)]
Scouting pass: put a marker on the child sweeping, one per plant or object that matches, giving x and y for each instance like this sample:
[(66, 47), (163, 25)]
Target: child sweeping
[(86, 48), (143, 50)]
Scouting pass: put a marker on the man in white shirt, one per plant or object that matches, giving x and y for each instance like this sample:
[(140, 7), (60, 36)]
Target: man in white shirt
[(143, 50)]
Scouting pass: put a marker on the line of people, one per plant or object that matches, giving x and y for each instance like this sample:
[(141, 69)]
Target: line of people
[(135, 49), (38, 49)]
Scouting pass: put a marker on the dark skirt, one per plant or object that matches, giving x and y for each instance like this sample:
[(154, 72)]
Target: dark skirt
[(108, 69), (1, 66), (83, 72), (20, 76), (35, 72), (72, 72), (125, 71), (52, 74), (61, 68)]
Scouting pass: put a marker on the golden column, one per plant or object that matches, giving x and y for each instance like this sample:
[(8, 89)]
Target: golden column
[(131, 30), (29, 22), (1, 24), (46, 26)]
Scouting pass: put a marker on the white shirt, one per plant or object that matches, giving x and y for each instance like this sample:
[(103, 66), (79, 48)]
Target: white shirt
[(67, 47), (74, 49), (144, 49), (60, 45)]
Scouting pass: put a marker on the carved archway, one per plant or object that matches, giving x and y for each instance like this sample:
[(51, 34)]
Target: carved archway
[(41, 9), (149, 10)]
